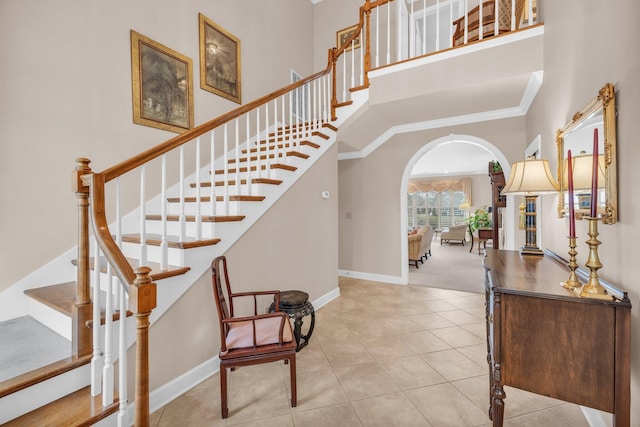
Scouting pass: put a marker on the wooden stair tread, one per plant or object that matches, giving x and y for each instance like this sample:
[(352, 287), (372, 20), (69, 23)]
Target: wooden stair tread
[(156, 272), (173, 241), (192, 218), (44, 373), (207, 199), (254, 168), (270, 156), (343, 104), (242, 182), (59, 297), (76, 409)]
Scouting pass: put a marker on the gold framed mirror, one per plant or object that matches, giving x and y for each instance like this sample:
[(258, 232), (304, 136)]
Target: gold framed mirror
[(578, 136)]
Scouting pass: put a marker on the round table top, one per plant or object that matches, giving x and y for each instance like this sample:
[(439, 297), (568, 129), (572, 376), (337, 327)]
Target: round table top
[(293, 298)]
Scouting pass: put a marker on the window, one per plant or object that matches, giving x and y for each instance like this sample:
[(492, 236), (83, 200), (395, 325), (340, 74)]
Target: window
[(438, 209)]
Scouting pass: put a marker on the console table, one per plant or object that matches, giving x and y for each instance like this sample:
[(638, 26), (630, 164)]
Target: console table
[(544, 339)]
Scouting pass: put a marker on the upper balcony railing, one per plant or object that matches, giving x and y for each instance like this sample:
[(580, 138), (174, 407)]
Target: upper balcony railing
[(387, 32)]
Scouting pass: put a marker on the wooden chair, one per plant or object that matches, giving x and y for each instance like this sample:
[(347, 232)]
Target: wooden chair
[(250, 340), (488, 20)]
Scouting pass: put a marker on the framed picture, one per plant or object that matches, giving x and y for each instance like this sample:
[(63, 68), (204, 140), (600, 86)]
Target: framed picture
[(162, 81), (219, 60), (344, 34)]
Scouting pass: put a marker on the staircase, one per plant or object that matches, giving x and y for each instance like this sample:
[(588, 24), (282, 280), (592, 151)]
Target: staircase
[(210, 185)]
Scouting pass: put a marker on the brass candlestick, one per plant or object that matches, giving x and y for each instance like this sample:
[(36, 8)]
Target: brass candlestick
[(572, 283), (593, 288)]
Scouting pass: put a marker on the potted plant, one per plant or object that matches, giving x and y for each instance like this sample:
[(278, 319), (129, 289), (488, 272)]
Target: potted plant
[(479, 219)]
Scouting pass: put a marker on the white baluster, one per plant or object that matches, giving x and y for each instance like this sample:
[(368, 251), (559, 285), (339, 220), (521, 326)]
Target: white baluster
[(315, 104), (143, 219), (361, 50), (237, 175), (353, 68), (307, 113), (108, 369), (424, 26), (97, 360), (123, 414), (267, 160), (212, 178), (276, 149), (513, 15), (377, 12), (480, 27), (466, 22), (258, 161), (530, 6), (496, 26), (118, 226), (344, 77), (424, 51), (388, 33), (248, 163), (164, 245), (183, 222), (412, 32), (283, 124), (198, 215), (399, 31), (450, 26), (225, 155)]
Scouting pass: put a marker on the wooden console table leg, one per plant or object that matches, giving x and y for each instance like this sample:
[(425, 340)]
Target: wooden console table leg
[(498, 406)]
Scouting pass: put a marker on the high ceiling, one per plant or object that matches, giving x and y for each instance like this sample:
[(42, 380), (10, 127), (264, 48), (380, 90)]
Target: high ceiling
[(453, 158)]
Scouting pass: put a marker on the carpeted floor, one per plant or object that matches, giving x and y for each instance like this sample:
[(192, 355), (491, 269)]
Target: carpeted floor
[(450, 266)]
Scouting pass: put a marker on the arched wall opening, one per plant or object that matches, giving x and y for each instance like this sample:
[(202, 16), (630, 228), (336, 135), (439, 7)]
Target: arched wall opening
[(509, 219)]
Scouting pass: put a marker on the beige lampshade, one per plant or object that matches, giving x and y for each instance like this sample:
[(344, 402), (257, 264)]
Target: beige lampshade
[(530, 176), (582, 172)]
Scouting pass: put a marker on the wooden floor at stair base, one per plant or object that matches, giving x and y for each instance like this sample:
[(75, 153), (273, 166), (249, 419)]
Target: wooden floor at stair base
[(76, 409)]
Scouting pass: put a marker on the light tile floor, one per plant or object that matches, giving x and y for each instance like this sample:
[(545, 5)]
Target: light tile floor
[(381, 355)]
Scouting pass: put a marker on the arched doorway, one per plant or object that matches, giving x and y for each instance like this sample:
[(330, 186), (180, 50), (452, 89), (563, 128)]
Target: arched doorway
[(434, 147)]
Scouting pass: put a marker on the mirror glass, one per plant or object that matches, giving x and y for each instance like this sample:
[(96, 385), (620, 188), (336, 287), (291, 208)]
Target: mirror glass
[(598, 118)]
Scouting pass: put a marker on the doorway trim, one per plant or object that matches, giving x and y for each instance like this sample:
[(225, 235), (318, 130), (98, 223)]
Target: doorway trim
[(404, 251)]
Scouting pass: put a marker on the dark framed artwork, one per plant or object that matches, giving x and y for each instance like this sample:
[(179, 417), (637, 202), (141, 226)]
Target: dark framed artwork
[(344, 34), (162, 81), (219, 60)]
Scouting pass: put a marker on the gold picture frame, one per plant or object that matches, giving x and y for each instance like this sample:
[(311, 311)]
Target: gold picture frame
[(344, 34), (219, 60), (162, 83)]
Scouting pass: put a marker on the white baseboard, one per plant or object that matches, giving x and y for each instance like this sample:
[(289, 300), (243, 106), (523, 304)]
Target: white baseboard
[(178, 386), (394, 280), (597, 418)]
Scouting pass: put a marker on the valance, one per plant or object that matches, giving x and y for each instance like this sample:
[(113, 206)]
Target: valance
[(440, 185)]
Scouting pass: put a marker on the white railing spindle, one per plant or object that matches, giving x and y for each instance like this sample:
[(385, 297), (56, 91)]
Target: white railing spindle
[(424, 26), (123, 414), (143, 214), (182, 218), (97, 360), (118, 230), (198, 213), (450, 25), (248, 162), (267, 160), (258, 161), (480, 18), (377, 49), (108, 369), (388, 33), (225, 156), (513, 15), (164, 245), (496, 26), (212, 178), (237, 153)]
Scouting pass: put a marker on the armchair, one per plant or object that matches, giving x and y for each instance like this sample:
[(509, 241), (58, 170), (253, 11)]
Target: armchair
[(427, 233), (455, 232), (414, 248), (488, 20), (250, 340)]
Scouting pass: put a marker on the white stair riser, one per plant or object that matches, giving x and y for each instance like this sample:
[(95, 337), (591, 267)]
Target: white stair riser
[(205, 208), (154, 254)]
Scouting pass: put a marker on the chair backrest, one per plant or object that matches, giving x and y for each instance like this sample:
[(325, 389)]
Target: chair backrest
[(221, 291)]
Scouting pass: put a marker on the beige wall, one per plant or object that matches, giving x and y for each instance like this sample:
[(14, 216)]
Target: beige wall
[(371, 237), (66, 92), (294, 246), (598, 45)]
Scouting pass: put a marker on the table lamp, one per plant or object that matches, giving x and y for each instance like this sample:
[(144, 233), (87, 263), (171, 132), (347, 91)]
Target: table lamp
[(530, 178)]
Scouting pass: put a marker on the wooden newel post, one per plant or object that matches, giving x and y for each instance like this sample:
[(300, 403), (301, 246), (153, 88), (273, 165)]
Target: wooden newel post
[(334, 97), (367, 37), (142, 300), (81, 341)]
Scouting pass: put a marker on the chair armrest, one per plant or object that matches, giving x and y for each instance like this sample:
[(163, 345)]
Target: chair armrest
[(255, 300)]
